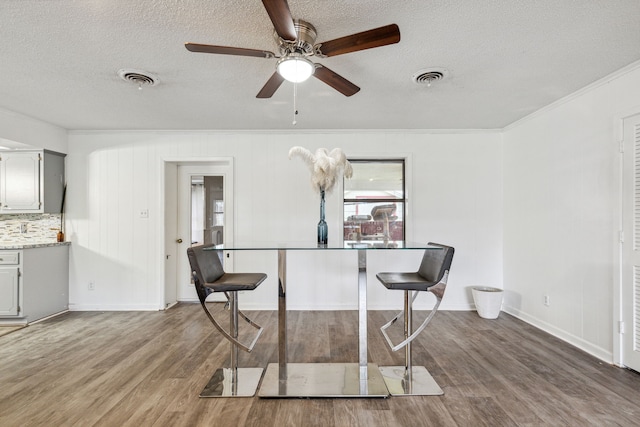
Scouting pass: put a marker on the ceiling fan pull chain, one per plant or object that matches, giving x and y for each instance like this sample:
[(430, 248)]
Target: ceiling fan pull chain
[(295, 108)]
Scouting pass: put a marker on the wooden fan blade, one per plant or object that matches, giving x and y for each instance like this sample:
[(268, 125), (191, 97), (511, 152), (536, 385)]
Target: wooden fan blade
[(377, 37), (336, 81), (281, 18), (226, 50), (271, 86)]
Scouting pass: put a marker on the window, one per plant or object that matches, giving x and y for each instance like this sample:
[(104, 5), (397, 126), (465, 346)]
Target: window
[(374, 200)]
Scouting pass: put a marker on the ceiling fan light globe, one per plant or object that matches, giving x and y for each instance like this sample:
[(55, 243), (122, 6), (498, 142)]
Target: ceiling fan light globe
[(295, 69)]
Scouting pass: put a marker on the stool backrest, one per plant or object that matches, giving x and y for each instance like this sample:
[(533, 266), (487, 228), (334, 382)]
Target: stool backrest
[(436, 262), (206, 268)]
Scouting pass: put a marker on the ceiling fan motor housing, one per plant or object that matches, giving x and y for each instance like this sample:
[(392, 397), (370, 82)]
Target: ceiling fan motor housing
[(306, 33)]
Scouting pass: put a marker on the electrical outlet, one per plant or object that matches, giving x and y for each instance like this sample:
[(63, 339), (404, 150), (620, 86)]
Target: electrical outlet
[(92, 286), (144, 213), (547, 300)]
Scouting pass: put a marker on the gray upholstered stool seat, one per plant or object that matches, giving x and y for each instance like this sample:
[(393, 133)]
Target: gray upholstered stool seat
[(236, 282), (405, 281)]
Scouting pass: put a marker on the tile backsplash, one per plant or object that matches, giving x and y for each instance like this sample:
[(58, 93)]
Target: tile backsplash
[(29, 228)]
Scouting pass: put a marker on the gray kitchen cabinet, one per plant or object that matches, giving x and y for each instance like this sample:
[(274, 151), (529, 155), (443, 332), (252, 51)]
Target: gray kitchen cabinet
[(34, 283), (9, 283), (31, 181)]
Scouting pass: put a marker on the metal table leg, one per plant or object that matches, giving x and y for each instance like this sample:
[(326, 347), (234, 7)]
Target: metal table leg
[(362, 317), (282, 314)]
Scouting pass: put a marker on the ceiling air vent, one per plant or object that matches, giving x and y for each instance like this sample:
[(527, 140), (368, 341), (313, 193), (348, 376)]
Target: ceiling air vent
[(429, 76), (137, 77)]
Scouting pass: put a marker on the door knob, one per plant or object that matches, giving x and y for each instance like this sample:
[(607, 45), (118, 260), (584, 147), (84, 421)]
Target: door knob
[(179, 241)]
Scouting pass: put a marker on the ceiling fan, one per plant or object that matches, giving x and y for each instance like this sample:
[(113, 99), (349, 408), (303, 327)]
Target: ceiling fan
[(297, 42)]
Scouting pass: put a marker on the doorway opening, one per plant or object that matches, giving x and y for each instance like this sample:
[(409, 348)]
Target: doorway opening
[(198, 211)]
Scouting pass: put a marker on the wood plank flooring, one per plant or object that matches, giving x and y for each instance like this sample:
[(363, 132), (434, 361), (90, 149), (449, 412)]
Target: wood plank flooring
[(147, 369)]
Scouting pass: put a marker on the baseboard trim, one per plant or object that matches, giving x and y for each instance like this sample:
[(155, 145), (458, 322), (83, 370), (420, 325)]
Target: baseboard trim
[(113, 307), (49, 317), (599, 352)]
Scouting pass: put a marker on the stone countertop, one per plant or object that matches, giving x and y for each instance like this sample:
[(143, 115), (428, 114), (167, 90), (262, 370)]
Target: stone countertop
[(26, 245)]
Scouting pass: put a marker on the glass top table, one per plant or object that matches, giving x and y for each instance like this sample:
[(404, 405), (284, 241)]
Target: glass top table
[(361, 379), (302, 246)]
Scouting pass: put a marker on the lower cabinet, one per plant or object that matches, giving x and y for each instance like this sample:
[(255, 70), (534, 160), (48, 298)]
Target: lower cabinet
[(9, 294), (34, 283)]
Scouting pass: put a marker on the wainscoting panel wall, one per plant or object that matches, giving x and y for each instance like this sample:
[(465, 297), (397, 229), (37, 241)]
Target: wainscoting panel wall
[(454, 192)]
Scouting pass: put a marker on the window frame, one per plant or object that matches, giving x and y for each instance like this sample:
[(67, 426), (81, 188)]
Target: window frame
[(403, 201)]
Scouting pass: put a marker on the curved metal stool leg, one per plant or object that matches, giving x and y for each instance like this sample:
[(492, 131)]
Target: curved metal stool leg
[(409, 380), (233, 381), (229, 334)]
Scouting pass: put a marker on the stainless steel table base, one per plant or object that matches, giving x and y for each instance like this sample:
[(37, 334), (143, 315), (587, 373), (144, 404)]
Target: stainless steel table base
[(323, 380), (221, 383), (423, 383), (361, 379)]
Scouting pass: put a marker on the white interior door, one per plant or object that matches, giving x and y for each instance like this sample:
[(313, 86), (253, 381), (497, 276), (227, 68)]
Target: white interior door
[(187, 175), (170, 231), (631, 245)]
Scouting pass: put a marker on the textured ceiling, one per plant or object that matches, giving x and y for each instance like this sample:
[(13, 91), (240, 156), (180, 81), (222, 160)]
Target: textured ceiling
[(505, 59)]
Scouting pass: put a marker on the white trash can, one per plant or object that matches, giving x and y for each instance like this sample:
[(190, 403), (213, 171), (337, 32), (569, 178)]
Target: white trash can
[(488, 301)]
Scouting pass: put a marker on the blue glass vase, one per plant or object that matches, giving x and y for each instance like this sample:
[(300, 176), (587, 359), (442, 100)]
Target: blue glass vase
[(323, 228)]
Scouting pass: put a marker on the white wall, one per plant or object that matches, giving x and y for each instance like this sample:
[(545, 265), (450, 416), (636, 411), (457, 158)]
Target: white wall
[(561, 210), (455, 197), (25, 130)]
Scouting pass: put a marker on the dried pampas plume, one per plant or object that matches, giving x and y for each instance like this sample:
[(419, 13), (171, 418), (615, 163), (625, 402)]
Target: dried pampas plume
[(325, 166)]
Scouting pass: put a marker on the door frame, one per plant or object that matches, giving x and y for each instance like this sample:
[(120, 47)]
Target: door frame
[(619, 238), (168, 232)]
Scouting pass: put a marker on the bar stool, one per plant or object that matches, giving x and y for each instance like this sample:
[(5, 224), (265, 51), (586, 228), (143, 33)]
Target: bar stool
[(209, 277), (431, 277)]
